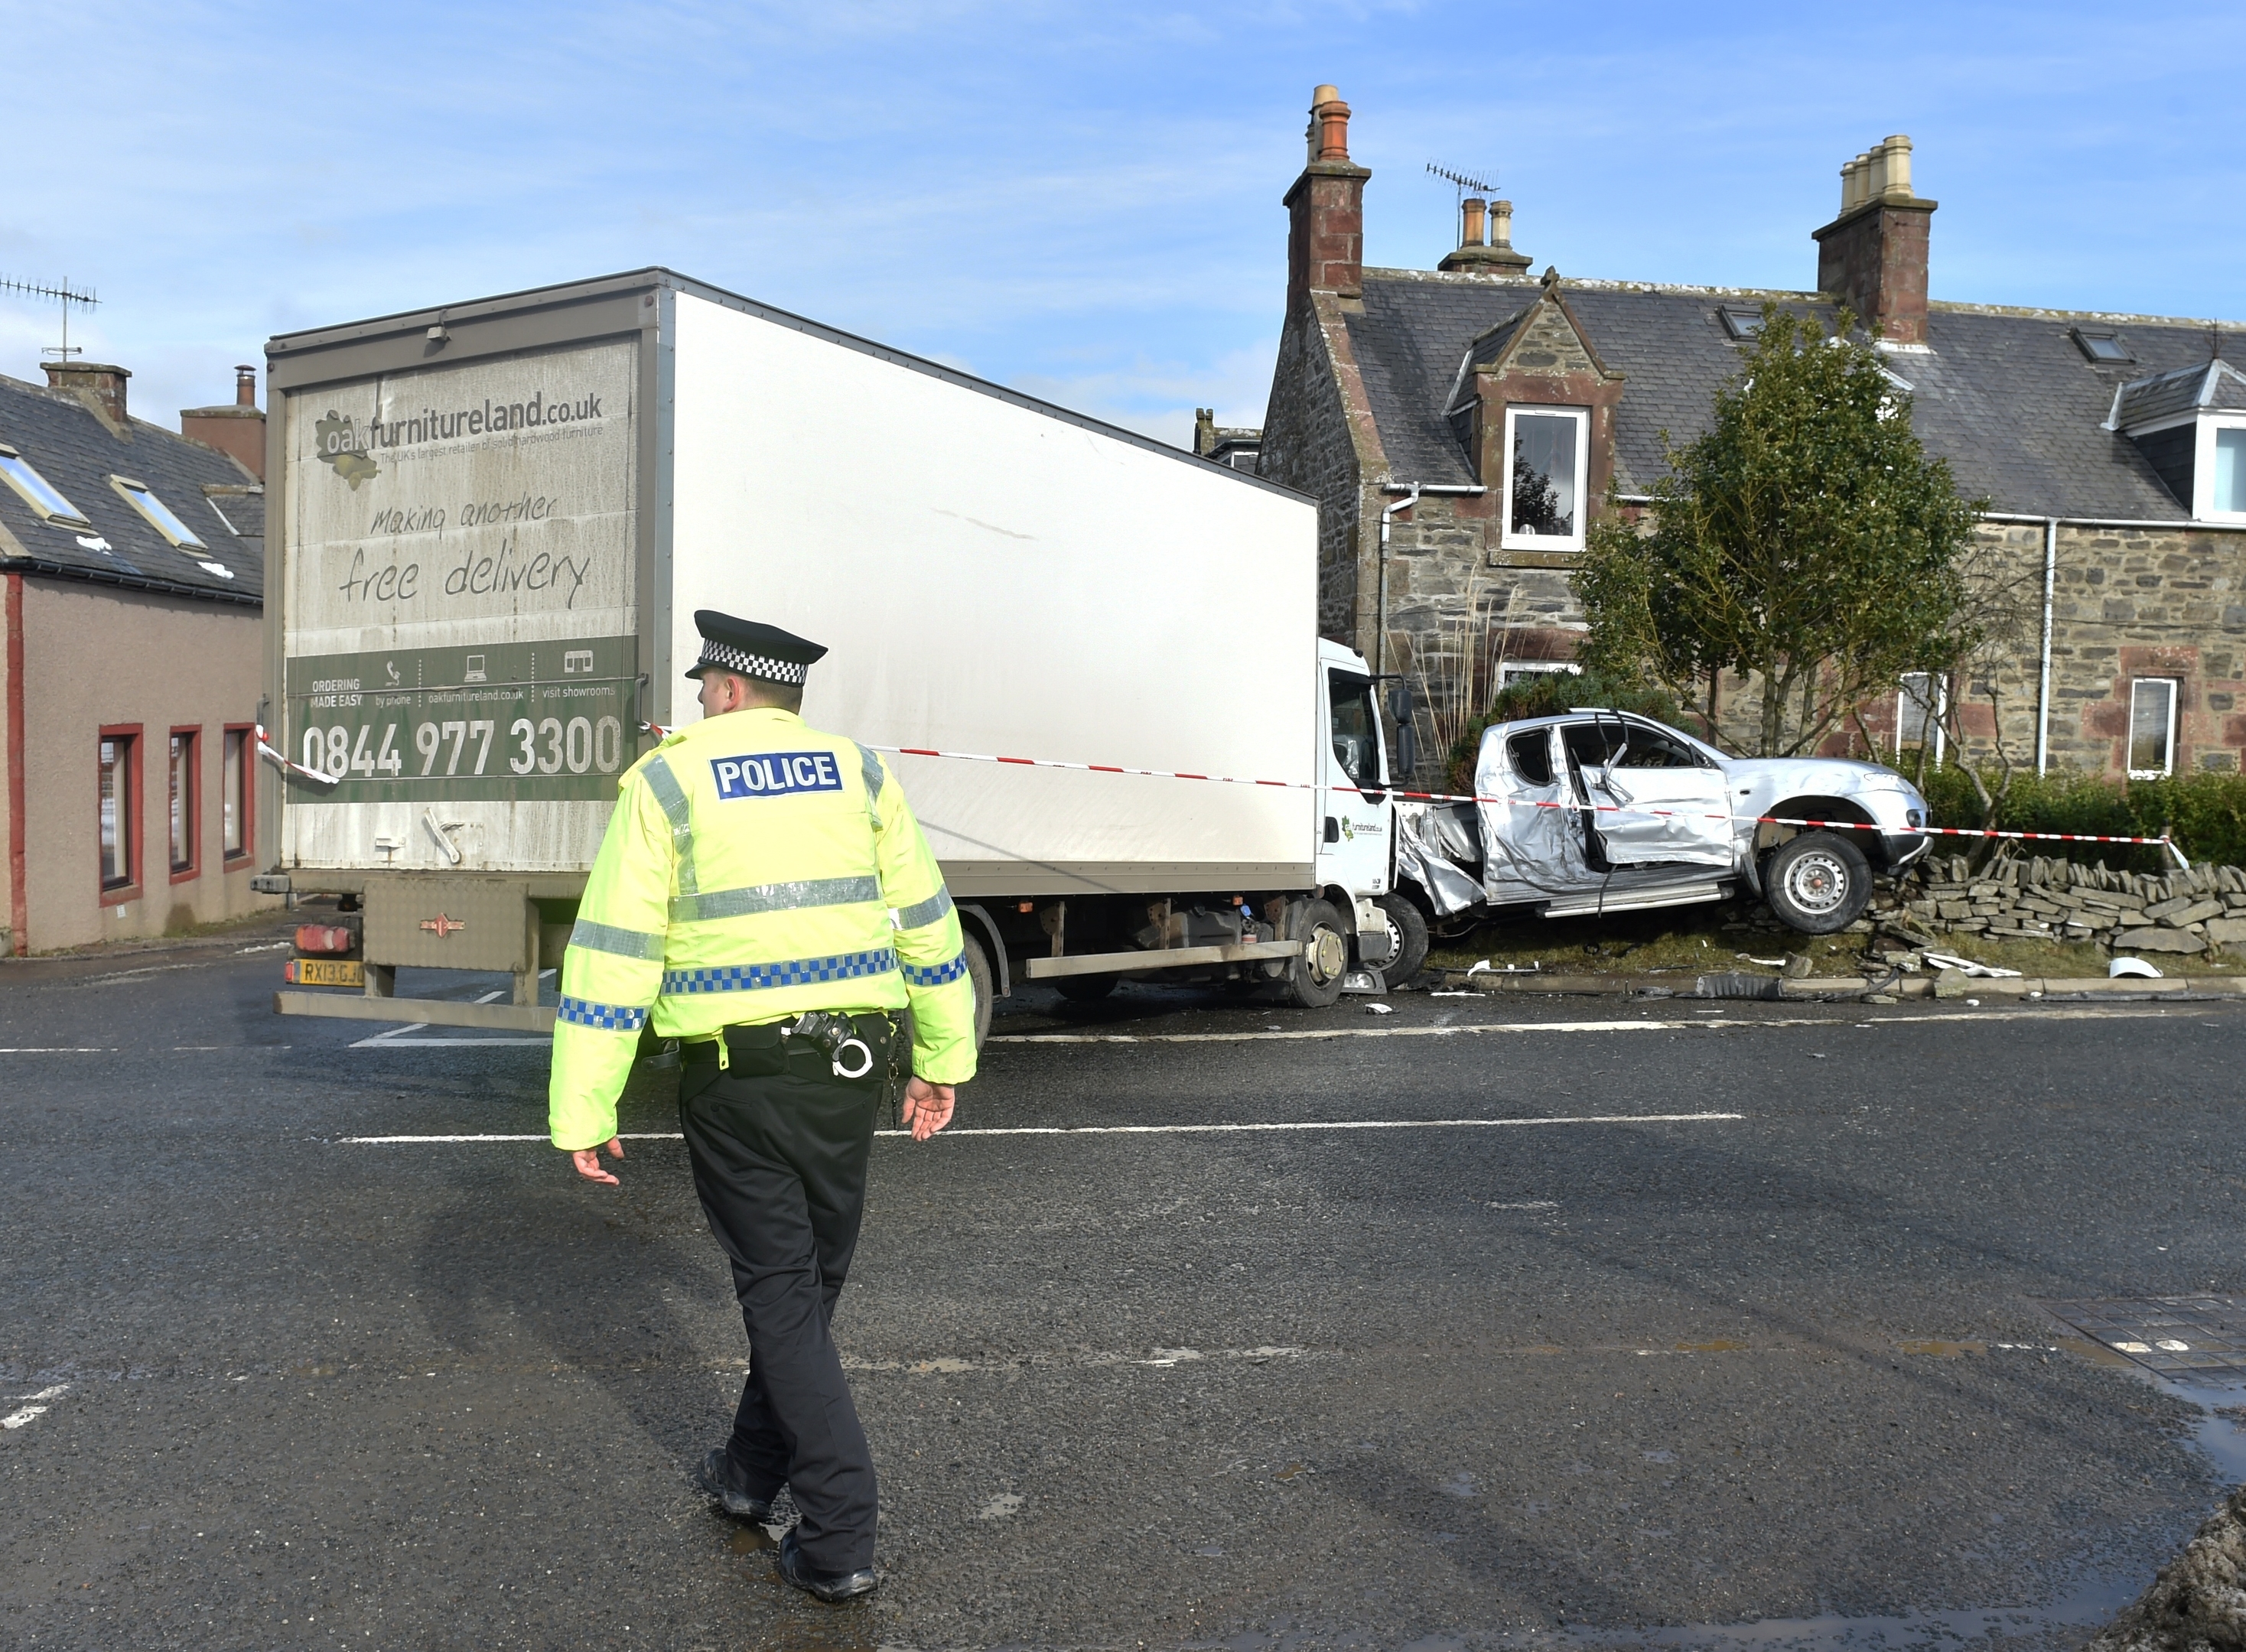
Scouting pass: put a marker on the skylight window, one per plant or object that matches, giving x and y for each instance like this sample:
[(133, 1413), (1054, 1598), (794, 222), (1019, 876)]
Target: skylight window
[(1740, 322), (158, 513), (2103, 347), (38, 491)]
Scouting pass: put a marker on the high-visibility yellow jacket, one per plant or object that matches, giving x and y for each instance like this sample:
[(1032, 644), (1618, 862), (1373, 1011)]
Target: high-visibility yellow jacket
[(754, 868)]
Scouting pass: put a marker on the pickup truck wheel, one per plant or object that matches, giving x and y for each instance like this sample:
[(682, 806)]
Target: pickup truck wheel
[(1408, 927), (978, 971), (1314, 979), (1084, 989), (1817, 883)]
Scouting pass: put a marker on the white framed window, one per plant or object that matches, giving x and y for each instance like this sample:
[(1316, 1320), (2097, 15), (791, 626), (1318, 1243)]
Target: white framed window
[(42, 496), (1922, 700), (1514, 672), (2219, 470), (2152, 727), (1546, 466), (156, 514)]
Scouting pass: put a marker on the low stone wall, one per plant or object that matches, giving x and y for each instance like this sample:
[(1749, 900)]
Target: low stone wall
[(2200, 911)]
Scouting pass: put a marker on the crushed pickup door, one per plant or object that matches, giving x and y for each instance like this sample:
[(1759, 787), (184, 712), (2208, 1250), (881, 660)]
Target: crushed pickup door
[(1662, 802), (1531, 843)]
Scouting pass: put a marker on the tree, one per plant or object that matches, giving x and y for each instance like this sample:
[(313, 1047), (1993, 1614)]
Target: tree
[(1805, 543)]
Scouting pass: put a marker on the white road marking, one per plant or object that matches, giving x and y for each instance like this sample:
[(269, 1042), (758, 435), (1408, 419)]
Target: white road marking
[(59, 1050), (30, 1411), (1172, 1130), (2086, 1012)]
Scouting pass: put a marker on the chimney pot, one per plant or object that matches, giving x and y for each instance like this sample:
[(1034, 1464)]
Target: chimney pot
[(1330, 126), (1896, 149), (1470, 230), (245, 386), (103, 382), (1500, 224)]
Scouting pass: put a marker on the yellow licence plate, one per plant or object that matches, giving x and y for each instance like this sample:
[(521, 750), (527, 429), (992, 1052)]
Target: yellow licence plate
[(327, 972)]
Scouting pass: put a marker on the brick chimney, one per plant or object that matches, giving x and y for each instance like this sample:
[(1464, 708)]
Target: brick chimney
[(239, 430), (1325, 223), (1872, 257), (97, 384), (1496, 257)]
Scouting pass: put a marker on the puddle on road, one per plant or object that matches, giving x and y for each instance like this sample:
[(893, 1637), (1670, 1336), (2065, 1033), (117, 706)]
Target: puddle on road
[(752, 1539)]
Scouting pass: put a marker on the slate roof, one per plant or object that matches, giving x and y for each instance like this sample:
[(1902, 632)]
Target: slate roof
[(2006, 396), (70, 445)]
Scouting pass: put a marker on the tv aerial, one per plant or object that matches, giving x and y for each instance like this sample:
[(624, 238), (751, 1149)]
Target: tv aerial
[(1464, 183), (64, 294)]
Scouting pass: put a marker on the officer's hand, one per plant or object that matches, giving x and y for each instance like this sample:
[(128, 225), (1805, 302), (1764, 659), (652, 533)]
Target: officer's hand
[(928, 1107), (587, 1160)]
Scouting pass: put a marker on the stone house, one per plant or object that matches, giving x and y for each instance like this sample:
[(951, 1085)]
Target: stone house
[(132, 558), (1460, 428)]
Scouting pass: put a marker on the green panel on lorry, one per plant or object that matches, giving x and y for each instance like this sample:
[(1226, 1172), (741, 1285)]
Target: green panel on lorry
[(517, 721)]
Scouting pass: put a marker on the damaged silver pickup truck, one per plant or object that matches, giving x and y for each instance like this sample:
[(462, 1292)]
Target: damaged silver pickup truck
[(1597, 811)]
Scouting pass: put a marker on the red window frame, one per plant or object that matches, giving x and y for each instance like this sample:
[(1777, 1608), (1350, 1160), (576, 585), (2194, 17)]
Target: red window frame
[(192, 867), (246, 803), (129, 812)]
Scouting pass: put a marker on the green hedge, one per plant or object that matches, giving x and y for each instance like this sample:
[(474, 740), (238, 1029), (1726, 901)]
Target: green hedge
[(2205, 814)]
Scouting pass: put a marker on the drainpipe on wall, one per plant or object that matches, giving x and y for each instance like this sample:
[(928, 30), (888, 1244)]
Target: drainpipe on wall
[(1380, 601), (1412, 492), (19, 894), (2043, 667)]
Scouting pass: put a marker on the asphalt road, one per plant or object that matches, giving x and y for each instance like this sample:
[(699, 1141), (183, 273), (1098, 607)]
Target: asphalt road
[(1529, 1368)]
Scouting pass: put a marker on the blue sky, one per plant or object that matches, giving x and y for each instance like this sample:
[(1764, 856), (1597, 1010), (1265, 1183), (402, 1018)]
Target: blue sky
[(1082, 201)]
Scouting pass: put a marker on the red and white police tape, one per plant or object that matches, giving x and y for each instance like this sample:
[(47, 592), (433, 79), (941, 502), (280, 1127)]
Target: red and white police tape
[(662, 733), (265, 747)]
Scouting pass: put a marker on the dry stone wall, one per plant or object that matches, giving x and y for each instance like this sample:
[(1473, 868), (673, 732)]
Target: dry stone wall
[(2200, 911)]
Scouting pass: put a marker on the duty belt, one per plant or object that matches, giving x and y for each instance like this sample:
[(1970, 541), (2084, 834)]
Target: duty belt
[(847, 1042)]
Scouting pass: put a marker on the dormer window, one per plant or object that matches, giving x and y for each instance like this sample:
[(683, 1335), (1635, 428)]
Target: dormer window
[(2105, 348), (1547, 452), (2190, 425)]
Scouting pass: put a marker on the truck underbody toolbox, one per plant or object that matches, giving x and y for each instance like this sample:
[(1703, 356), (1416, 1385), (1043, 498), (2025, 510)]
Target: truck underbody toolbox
[(435, 1012), (1102, 963)]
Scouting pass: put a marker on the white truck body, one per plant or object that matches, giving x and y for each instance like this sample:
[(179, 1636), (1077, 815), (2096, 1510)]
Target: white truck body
[(496, 520)]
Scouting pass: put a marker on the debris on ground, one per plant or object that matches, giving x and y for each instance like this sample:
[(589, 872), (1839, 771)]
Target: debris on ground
[(1950, 961), (2198, 1600), (2122, 966)]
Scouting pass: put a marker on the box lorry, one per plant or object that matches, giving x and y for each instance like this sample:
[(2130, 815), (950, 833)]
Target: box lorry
[(491, 524)]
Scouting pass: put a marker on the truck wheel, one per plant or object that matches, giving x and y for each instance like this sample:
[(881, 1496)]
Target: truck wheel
[(1084, 989), (1408, 926), (978, 971), (1817, 883), (1314, 978)]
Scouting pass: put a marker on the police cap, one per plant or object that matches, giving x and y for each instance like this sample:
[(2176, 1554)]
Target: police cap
[(747, 649)]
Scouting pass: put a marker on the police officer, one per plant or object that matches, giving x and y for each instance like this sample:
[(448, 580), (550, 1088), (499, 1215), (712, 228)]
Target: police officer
[(765, 896)]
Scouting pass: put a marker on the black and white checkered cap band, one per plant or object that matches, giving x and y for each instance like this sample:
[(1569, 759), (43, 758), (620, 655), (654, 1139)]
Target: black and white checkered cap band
[(727, 657)]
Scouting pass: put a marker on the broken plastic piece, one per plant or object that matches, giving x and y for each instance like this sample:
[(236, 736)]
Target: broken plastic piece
[(1950, 961), (2122, 966)]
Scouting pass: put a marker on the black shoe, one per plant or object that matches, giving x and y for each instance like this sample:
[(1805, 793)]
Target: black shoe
[(834, 1587), (716, 1476)]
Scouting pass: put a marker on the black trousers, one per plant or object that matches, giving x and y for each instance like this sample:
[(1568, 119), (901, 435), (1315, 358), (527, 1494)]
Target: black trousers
[(780, 1163)]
